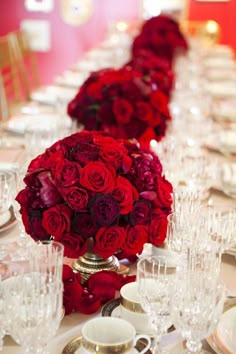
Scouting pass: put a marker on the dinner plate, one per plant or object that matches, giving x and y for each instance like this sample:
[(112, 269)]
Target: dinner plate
[(7, 220), (75, 347), (50, 94), (212, 340), (226, 331), (222, 89)]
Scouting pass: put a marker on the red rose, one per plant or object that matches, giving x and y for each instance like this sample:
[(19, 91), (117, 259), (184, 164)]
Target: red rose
[(164, 190), (95, 90), (72, 289), (74, 245), (135, 238), (77, 198), (113, 154), (143, 111), (157, 229), (56, 220), (125, 194), (122, 110), (108, 240), (141, 212), (96, 177), (101, 284), (67, 173)]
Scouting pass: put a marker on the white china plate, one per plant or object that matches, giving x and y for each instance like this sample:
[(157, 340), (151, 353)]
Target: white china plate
[(222, 89), (50, 94), (17, 124), (226, 331), (213, 340), (74, 347), (220, 63)]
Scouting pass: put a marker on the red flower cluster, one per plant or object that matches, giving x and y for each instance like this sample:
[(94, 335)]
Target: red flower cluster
[(90, 185), (121, 103), (155, 70), (162, 36), (97, 290)]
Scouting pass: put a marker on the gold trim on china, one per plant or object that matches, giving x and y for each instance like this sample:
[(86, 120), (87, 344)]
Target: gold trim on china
[(131, 306), (107, 349)]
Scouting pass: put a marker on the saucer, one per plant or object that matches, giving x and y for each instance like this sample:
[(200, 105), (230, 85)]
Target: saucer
[(112, 308), (74, 347)]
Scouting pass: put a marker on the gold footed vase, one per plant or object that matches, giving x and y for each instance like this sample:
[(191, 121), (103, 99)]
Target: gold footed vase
[(91, 263)]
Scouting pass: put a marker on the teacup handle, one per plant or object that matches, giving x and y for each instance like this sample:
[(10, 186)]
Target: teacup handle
[(147, 339)]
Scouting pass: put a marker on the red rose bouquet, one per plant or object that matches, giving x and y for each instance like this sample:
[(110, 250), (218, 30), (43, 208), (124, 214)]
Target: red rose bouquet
[(121, 103), (155, 70), (162, 36), (90, 185)]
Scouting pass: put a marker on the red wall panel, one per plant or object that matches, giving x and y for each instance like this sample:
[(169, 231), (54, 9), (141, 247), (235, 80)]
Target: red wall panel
[(222, 12), (68, 43)]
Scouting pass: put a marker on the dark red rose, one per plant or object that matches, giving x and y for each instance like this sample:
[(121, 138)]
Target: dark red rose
[(125, 194), (84, 225), (157, 229), (77, 198), (104, 209), (122, 110), (141, 212), (74, 245), (84, 152), (56, 220), (108, 240), (136, 236), (96, 177), (67, 173), (95, 90), (36, 229)]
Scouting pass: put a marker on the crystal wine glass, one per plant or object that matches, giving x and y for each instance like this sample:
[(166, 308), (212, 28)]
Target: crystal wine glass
[(34, 298), (154, 280), (197, 301)]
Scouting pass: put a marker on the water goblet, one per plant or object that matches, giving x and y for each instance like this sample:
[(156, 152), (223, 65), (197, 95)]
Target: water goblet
[(34, 298), (6, 190), (154, 280), (196, 306)]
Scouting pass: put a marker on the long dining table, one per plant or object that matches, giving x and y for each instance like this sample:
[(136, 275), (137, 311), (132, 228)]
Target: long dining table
[(71, 324)]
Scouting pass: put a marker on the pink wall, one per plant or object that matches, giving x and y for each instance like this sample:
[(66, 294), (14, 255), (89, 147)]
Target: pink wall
[(67, 42), (222, 12)]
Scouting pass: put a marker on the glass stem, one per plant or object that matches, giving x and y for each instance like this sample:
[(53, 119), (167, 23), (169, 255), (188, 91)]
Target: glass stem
[(193, 346)]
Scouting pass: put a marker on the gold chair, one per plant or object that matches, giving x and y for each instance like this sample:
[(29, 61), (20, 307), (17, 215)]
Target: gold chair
[(26, 61), (207, 31), (10, 88)]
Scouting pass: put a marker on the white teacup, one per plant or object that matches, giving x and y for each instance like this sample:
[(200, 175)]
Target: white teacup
[(132, 311), (107, 335)]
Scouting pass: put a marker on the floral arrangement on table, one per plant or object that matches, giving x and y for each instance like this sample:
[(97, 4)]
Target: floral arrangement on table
[(89, 296), (121, 103), (155, 70), (92, 186), (162, 36)]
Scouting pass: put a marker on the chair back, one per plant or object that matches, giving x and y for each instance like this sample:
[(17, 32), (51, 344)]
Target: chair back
[(26, 61), (10, 90)]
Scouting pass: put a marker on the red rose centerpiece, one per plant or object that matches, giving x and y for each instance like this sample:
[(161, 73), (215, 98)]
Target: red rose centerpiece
[(120, 102), (155, 70), (162, 36), (92, 186)]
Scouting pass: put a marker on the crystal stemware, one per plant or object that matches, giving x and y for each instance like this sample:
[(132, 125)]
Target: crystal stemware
[(154, 280), (196, 306), (33, 296)]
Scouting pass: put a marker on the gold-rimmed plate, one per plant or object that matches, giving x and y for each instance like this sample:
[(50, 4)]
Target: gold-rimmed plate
[(74, 347), (212, 339), (8, 220)]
